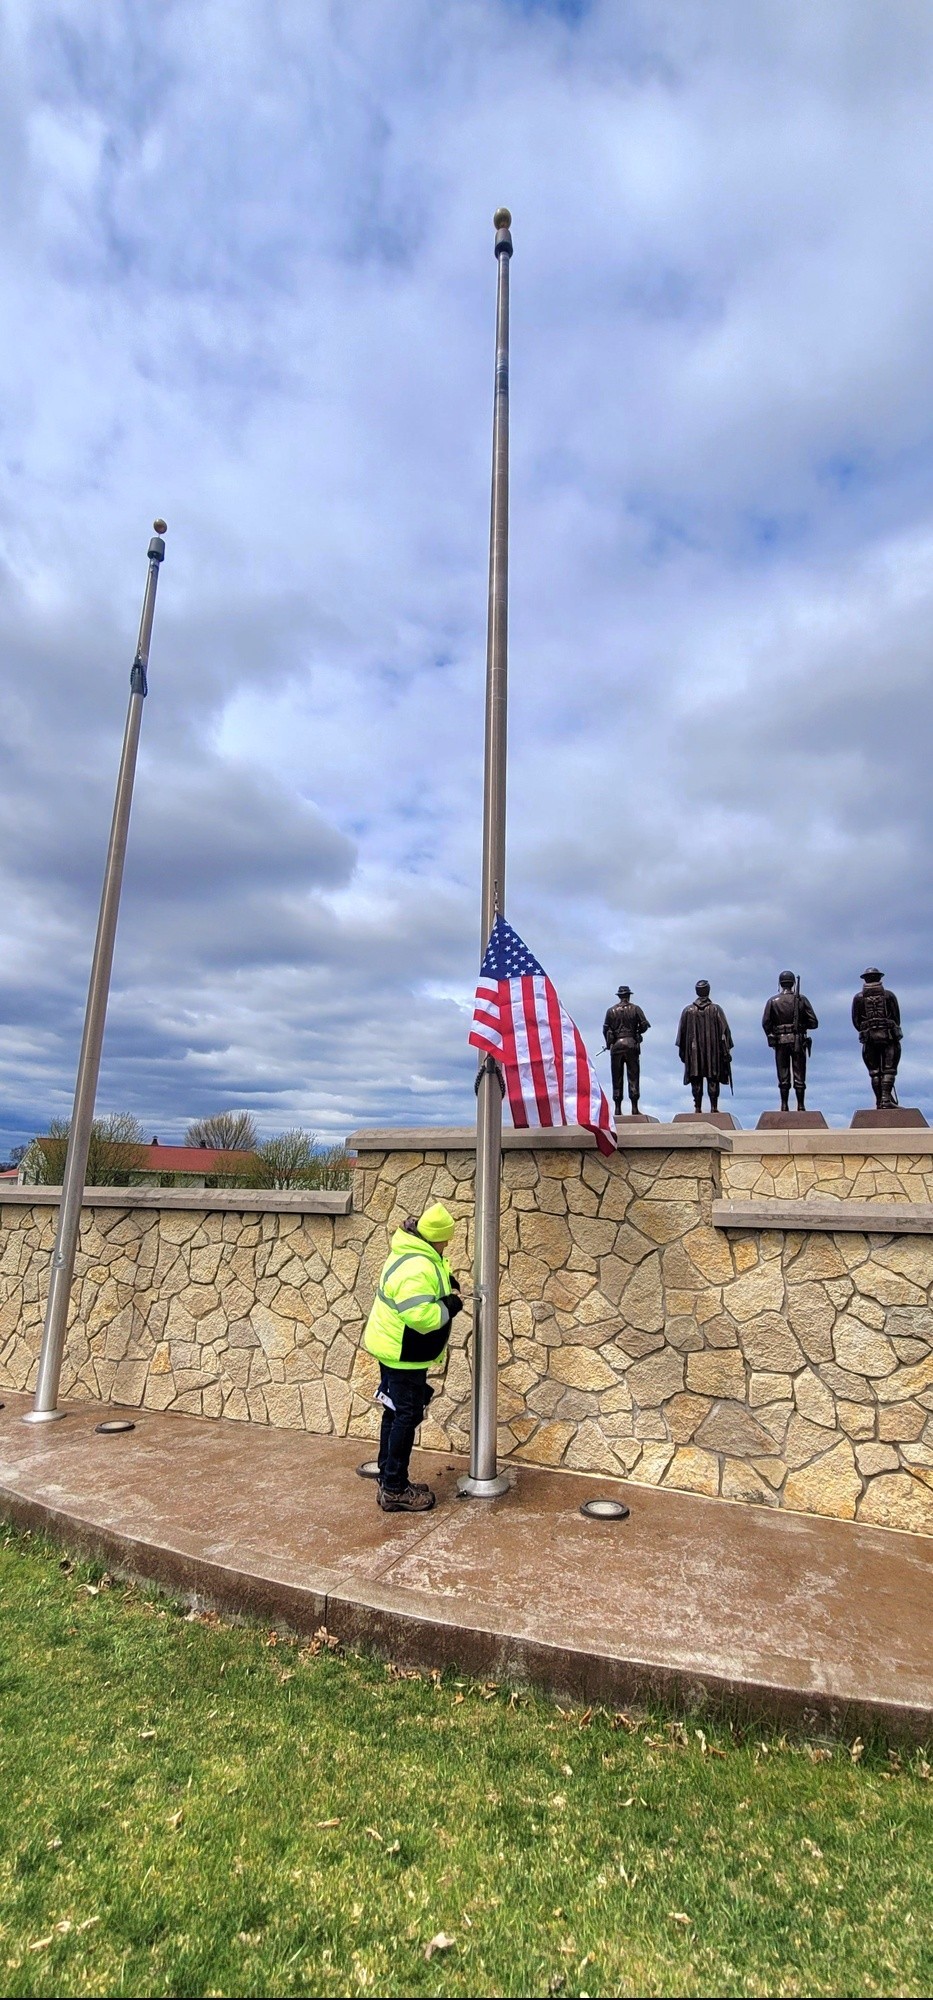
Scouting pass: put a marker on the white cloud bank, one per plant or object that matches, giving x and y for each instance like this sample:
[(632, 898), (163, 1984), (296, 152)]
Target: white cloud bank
[(247, 281)]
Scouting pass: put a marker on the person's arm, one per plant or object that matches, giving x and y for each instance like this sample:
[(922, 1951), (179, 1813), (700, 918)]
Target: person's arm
[(418, 1299)]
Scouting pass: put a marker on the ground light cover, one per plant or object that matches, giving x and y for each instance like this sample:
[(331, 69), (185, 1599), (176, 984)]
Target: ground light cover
[(192, 1807)]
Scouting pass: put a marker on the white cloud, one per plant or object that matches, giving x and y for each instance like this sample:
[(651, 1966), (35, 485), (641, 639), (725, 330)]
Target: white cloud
[(247, 281)]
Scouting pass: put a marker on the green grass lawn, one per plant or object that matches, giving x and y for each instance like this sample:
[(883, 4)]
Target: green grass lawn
[(190, 1807)]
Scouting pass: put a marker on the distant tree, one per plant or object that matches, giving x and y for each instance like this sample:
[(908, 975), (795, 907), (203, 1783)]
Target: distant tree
[(294, 1160), (116, 1155), (285, 1161), (229, 1131), (332, 1167)]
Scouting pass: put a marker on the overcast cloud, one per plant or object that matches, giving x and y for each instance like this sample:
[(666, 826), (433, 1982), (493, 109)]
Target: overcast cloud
[(247, 282)]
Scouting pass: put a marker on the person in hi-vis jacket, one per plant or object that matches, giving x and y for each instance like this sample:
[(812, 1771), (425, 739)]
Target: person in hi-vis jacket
[(416, 1299)]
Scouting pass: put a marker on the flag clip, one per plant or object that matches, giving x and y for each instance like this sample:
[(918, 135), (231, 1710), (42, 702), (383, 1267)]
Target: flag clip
[(489, 1067)]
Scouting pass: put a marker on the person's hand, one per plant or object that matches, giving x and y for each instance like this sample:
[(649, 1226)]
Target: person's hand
[(454, 1284), (453, 1302)]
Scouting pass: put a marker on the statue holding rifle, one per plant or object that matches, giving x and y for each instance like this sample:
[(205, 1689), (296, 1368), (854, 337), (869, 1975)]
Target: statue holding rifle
[(788, 1021), (623, 1028)]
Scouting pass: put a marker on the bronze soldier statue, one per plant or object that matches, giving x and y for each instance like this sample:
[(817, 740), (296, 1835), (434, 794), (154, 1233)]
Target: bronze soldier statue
[(788, 1020), (623, 1029), (704, 1040), (876, 1018)]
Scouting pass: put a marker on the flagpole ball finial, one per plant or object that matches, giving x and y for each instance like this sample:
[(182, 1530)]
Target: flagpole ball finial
[(161, 527), (502, 219)]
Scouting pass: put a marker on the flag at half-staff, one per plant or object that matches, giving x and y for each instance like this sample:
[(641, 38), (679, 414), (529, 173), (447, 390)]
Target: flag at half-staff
[(518, 1020)]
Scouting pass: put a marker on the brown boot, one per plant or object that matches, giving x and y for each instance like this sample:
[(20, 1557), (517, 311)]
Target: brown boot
[(412, 1500)]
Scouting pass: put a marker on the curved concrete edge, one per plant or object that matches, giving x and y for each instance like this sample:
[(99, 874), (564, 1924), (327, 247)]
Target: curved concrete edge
[(432, 1638)]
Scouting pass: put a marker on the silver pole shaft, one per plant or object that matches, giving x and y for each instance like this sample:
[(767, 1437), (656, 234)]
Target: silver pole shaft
[(484, 1481), (45, 1407)]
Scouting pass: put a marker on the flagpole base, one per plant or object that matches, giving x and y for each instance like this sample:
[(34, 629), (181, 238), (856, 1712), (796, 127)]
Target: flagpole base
[(43, 1416), (483, 1489)]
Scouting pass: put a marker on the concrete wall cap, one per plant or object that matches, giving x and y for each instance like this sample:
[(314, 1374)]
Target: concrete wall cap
[(869, 1218), (898, 1139), (238, 1201), (462, 1139)]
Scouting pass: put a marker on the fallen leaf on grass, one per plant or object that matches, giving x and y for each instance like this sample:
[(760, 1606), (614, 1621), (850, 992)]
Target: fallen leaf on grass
[(54, 1842), (708, 1749), (395, 1847), (146, 1735), (439, 1943), (679, 1917), (373, 1832), (323, 1641), (856, 1751), (325, 1824), (812, 1848), (41, 1944), (175, 1818), (88, 1921), (816, 1754)]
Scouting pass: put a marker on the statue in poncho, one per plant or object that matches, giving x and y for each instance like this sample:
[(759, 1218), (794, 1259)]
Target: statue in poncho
[(704, 1041)]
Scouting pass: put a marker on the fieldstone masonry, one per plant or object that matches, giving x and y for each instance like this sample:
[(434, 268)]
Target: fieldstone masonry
[(781, 1366)]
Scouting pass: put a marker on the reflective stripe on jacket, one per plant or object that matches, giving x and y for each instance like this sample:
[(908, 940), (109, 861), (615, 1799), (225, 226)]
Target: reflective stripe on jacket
[(408, 1325)]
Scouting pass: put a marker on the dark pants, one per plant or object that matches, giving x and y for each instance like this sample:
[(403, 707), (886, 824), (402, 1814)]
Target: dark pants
[(407, 1389), (623, 1060), (791, 1062), (712, 1085), (881, 1060)]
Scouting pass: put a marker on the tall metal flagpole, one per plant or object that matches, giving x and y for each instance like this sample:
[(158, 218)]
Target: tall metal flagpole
[(69, 1215), (483, 1481)]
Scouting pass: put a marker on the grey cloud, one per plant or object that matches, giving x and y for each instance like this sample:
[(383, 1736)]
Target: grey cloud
[(254, 290)]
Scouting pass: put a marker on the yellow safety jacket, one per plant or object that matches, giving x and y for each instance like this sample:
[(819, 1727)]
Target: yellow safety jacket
[(408, 1325)]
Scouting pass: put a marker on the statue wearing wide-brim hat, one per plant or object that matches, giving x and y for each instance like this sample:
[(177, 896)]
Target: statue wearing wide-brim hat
[(876, 1018)]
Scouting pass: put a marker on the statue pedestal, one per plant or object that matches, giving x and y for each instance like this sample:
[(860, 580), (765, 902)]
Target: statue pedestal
[(896, 1114), (634, 1118), (723, 1119), (791, 1121)]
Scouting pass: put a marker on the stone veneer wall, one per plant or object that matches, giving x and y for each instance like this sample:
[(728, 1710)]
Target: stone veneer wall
[(782, 1366), (838, 1166)]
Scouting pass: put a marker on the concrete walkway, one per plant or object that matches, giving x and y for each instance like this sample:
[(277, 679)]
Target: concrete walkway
[(793, 1616)]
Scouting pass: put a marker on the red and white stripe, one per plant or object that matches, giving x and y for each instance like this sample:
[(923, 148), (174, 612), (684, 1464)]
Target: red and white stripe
[(548, 1074)]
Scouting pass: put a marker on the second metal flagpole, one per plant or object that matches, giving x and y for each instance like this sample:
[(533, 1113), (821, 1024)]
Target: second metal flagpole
[(45, 1408), (484, 1482)]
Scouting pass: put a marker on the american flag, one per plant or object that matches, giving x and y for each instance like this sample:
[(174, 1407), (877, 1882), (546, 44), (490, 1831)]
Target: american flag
[(518, 1018)]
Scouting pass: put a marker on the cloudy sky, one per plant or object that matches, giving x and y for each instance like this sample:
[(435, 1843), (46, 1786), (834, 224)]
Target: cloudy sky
[(247, 282)]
